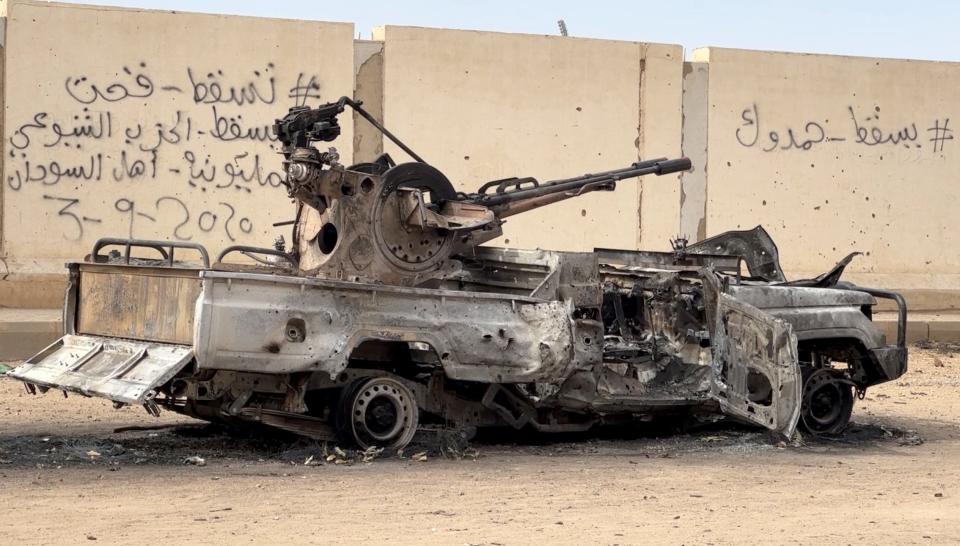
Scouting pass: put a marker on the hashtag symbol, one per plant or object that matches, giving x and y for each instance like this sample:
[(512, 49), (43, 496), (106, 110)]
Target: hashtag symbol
[(941, 134)]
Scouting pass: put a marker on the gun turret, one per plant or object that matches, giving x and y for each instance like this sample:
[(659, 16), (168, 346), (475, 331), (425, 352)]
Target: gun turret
[(303, 125), (400, 224)]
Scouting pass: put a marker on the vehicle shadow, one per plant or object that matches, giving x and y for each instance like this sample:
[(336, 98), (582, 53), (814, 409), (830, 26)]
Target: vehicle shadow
[(212, 443), (666, 439)]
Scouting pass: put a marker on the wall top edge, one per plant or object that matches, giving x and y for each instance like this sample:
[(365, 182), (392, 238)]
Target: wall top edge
[(703, 54), (381, 31), (11, 4)]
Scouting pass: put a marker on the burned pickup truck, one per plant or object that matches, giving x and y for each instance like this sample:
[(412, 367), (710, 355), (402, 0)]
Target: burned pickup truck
[(386, 314)]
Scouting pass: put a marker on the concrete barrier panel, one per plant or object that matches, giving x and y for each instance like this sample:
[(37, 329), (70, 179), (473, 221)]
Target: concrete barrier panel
[(153, 125), (834, 155), (482, 106)]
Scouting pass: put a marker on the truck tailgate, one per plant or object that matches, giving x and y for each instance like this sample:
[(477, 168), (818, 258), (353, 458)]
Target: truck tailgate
[(119, 370), (143, 303)]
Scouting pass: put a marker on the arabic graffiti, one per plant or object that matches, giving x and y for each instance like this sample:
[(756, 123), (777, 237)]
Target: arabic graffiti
[(180, 157), (856, 127), (85, 91), (212, 90)]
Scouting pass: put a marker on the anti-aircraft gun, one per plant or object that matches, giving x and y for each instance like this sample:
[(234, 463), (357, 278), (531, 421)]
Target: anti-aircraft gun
[(401, 223), (468, 336)]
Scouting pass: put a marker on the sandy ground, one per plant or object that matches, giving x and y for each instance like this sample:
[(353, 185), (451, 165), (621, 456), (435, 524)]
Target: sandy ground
[(67, 477)]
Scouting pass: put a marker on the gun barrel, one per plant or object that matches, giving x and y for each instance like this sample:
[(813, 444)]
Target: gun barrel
[(557, 190)]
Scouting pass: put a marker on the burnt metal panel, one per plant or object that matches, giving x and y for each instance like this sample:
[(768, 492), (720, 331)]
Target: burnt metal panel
[(755, 364), (667, 260), (146, 303), (755, 247), (778, 297), (123, 371), (477, 336)]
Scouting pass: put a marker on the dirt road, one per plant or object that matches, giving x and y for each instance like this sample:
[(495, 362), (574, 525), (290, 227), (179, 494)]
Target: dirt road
[(66, 477)]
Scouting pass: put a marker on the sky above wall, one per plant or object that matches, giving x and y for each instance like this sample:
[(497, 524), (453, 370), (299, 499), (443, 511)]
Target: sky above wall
[(877, 28)]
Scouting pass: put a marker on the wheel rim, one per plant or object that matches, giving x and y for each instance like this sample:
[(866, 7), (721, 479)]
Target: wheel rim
[(382, 413), (827, 402), (381, 418)]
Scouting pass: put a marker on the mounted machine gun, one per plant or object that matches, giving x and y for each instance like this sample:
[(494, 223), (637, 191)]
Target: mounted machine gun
[(400, 224)]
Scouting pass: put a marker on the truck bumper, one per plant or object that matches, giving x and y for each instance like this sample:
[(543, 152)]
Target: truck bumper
[(891, 361)]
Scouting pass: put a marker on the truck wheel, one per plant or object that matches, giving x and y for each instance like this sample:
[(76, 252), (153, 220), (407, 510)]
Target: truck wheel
[(377, 411), (827, 402)]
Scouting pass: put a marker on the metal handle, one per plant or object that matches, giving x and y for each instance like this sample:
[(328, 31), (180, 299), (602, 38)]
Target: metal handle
[(503, 185), (165, 248), (258, 250)]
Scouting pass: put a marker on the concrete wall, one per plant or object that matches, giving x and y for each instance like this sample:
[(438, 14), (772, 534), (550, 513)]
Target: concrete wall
[(693, 185), (156, 125), (834, 155), (368, 89), (482, 106), (152, 125)]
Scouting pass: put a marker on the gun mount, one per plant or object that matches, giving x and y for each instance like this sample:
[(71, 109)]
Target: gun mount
[(401, 223)]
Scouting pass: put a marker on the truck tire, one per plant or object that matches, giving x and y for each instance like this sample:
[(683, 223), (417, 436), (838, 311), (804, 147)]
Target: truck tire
[(827, 401), (377, 412)]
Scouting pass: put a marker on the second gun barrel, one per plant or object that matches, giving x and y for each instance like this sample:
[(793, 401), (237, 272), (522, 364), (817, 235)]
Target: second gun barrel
[(658, 166)]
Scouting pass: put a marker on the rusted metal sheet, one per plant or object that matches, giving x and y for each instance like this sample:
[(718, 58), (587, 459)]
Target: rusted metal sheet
[(245, 320), (146, 303), (756, 374), (122, 371)]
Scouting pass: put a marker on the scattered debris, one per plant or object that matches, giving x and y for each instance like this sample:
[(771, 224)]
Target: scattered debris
[(910, 438), (942, 347), (195, 460), (454, 443), (138, 428), (856, 434), (184, 445), (370, 453)]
